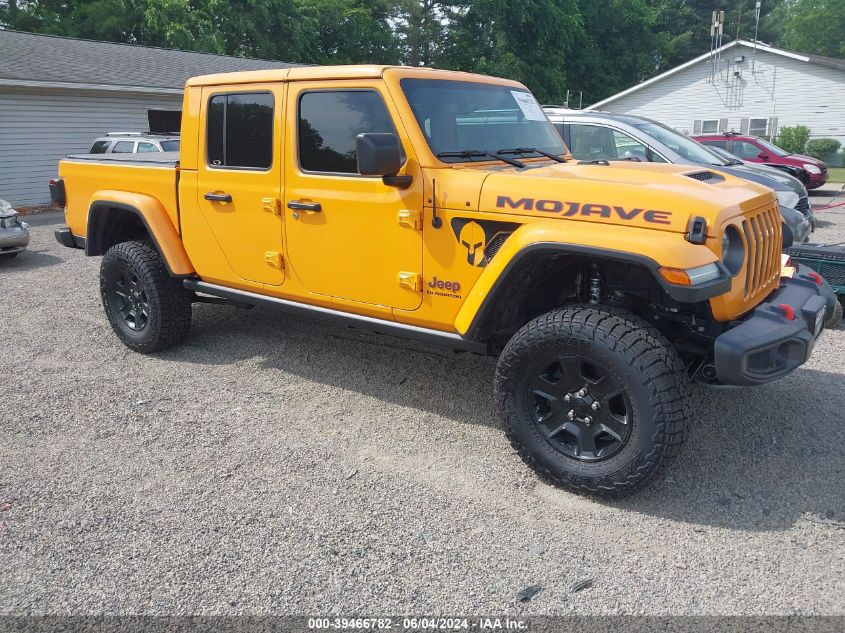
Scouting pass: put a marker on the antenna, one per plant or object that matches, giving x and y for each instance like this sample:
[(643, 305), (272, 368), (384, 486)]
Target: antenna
[(717, 24), (436, 221)]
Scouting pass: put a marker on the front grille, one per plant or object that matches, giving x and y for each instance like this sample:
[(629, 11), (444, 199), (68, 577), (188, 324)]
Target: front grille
[(803, 205), (762, 233)]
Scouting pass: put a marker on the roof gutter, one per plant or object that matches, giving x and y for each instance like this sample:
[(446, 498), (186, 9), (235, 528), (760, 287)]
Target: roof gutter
[(67, 85)]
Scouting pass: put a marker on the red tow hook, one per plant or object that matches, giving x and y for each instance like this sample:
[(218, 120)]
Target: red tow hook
[(815, 277), (788, 312)]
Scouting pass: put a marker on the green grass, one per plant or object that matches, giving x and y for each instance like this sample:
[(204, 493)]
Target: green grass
[(836, 174)]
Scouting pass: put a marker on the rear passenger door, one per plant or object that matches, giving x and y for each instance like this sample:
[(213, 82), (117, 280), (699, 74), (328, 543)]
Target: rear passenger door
[(239, 177)]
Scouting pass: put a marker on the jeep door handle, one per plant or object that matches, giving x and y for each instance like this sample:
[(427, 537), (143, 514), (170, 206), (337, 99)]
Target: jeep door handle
[(296, 205), (218, 197)]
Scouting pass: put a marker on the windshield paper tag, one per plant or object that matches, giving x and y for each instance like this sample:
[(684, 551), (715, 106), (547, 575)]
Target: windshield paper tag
[(529, 106)]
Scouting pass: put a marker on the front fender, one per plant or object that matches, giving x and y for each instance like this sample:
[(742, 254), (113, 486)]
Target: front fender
[(647, 247), (154, 217)]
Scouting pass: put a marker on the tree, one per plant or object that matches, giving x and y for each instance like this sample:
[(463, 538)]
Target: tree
[(349, 32), (811, 26), (684, 25), (519, 39)]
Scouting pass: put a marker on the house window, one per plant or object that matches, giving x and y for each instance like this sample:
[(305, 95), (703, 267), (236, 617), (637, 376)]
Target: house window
[(709, 126), (758, 127)]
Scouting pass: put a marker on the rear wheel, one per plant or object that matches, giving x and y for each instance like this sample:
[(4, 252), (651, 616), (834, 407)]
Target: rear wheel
[(595, 401), (147, 308)]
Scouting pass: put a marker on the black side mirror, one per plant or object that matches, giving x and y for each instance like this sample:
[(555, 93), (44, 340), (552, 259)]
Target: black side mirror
[(378, 154)]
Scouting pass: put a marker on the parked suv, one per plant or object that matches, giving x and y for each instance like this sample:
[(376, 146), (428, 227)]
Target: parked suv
[(606, 136), (758, 150), (134, 143)]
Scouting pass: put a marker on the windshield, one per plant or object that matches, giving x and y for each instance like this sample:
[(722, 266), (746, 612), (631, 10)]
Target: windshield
[(774, 149), (456, 116), (170, 146), (682, 145), (730, 158)]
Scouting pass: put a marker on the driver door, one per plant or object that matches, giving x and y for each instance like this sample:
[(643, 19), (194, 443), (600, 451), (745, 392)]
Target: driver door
[(349, 236)]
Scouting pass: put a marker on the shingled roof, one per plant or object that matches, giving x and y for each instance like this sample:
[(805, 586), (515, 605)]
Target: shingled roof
[(33, 59)]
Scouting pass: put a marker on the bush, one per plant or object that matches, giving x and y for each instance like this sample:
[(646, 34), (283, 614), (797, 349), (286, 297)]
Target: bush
[(822, 148), (793, 139)]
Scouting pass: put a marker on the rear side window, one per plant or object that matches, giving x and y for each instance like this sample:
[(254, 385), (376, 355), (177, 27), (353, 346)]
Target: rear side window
[(143, 146), (123, 147), (240, 130), (100, 147), (329, 122), (720, 144), (170, 146)]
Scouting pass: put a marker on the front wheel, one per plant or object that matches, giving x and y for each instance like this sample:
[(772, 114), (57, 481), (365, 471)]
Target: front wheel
[(594, 401), (147, 308)]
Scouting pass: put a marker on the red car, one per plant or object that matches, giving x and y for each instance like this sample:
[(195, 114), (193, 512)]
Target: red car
[(758, 150)]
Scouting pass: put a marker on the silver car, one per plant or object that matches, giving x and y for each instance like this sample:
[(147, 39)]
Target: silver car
[(134, 143), (14, 234)]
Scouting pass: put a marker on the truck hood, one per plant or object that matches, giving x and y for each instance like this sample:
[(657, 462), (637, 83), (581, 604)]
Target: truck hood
[(655, 196)]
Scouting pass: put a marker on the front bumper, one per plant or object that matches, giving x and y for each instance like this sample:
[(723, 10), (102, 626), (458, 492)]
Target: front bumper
[(65, 237), (768, 344)]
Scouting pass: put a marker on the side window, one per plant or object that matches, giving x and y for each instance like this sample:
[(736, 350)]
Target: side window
[(123, 147), (625, 144), (100, 147), (144, 146), (719, 144), (240, 130), (744, 149), (590, 142), (329, 122)]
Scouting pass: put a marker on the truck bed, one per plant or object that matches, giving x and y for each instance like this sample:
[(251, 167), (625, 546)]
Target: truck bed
[(89, 177)]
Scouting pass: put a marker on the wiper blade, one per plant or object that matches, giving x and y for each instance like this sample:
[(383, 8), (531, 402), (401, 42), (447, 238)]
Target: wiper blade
[(477, 153), (532, 150)]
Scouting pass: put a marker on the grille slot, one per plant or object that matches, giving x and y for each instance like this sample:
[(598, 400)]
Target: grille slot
[(803, 205), (762, 251), (495, 244), (705, 176)]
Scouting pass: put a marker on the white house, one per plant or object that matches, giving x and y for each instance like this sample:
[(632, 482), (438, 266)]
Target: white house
[(743, 88), (58, 94)]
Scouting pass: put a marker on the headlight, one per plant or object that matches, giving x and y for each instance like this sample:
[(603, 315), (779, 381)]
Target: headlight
[(788, 198), (733, 250), (690, 276), (811, 168)]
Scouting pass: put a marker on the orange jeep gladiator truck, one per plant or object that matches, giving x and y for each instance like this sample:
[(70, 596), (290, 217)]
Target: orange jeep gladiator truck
[(443, 206)]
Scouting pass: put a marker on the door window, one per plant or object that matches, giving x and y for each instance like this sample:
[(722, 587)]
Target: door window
[(124, 147), (240, 130), (624, 143), (328, 123), (144, 146), (590, 142), (719, 144), (746, 150)]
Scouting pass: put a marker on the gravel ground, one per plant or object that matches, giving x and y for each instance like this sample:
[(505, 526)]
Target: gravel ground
[(276, 465)]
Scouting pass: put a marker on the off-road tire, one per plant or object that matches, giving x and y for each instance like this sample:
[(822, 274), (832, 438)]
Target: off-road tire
[(168, 303), (643, 363), (836, 318)]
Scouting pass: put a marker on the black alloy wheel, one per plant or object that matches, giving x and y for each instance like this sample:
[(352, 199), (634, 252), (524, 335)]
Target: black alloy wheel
[(129, 299), (579, 408)]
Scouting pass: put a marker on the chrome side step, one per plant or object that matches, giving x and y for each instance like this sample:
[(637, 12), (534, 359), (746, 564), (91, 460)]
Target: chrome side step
[(401, 330)]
